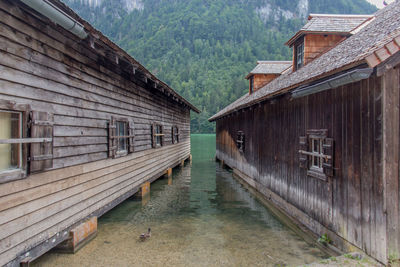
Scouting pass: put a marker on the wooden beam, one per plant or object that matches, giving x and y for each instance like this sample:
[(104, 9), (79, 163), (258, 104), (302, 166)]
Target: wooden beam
[(389, 64), (25, 140)]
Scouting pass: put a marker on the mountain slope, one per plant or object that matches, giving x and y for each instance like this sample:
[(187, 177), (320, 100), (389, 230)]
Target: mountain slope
[(204, 48)]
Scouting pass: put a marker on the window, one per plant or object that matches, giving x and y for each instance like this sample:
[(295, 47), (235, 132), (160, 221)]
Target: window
[(175, 134), (318, 157), (10, 129), (17, 122), (251, 84), (316, 154), (121, 137), (299, 55), (157, 135), (240, 141)]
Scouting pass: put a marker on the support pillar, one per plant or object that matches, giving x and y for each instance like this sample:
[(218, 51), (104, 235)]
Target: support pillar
[(145, 193), (79, 237)]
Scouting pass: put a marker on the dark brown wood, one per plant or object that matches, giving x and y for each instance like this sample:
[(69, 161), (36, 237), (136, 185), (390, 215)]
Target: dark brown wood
[(349, 200)]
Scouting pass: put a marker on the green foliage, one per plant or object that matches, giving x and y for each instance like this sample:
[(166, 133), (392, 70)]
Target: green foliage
[(204, 48), (324, 239)]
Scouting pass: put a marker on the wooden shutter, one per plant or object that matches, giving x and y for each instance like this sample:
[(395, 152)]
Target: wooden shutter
[(153, 135), (173, 134), (41, 154), (112, 141), (303, 159), (243, 141), (162, 136), (328, 148), (131, 139), (177, 134)]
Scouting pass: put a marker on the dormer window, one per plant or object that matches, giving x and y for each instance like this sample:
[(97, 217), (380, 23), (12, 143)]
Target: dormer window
[(299, 55), (251, 88)]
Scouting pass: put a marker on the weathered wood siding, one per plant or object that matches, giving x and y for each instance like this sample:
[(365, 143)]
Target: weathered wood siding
[(316, 44), (51, 70), (391, 157), (262, 79), (350, 204)]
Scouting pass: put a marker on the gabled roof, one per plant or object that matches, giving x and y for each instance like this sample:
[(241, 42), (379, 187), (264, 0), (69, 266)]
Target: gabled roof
[(270, 67), (373, 44), (330, 24)]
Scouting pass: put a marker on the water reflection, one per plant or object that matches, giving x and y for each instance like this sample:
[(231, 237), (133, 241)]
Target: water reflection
[(199, 217)]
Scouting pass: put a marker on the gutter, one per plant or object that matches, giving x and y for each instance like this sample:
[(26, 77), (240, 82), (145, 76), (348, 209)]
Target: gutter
[(346, 78), (58, 16)]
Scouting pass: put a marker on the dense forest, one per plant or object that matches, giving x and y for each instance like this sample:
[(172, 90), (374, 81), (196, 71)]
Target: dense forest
[(204, 48)]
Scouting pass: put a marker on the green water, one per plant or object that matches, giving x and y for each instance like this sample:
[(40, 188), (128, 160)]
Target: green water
[(204, 218)]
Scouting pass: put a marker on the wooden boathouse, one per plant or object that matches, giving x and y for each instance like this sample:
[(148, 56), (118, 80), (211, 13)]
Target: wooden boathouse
[(82, 126), (321, 140)]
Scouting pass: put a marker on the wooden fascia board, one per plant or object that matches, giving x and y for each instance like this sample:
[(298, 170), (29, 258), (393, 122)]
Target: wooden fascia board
[(384, 53)]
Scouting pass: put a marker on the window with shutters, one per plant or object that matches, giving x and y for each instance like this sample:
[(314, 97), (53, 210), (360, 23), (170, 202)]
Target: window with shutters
[(22, 130), (240, 141), (121, 137), (316, 154), (157, 135), (175, 134)]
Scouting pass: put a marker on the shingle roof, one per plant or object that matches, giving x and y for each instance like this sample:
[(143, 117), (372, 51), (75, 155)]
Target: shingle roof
[(383, 31), (270, 67), (326, 23)]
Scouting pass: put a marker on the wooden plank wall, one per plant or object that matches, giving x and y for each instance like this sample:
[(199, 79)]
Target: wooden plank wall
[(351, 203), (262, 79), (316, 44), (391, 118), (46, 67)]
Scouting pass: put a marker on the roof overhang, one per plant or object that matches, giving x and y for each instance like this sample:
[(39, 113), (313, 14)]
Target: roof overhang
[(343, 79), (58, 12)]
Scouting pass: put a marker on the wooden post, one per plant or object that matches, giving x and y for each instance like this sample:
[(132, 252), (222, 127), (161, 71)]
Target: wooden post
[(190, 158), (145, 199), (182, 163), (169, 172), (79, 237), (25, 262), (145, 189), (221, 162)]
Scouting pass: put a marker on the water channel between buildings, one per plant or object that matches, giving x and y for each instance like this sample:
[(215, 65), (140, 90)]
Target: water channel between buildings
[(203, 217)]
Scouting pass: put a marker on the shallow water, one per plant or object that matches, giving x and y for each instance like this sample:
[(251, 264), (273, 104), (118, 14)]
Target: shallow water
[(202, 217)]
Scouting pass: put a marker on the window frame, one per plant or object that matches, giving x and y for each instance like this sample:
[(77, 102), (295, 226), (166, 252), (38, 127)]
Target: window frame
[(175, 134), (297, 55), (114, 137), (240, 141), (313, 154), (157, 136), (22, 171), (251, 84), (119, 137)]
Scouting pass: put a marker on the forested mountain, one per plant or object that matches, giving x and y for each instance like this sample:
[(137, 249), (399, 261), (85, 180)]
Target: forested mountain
[(204, 48)]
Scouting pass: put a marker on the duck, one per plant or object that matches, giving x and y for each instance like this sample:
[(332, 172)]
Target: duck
[(145, 236)]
